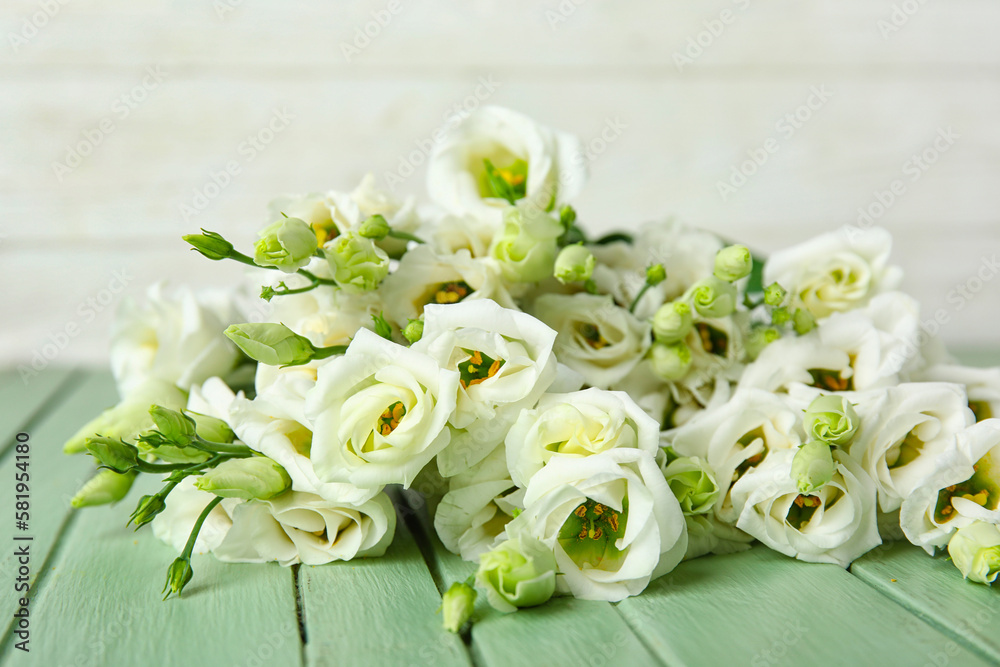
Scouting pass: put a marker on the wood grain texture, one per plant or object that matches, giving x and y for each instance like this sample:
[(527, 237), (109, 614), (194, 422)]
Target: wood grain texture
[(933, 589), (22, 400), (101, 603), (774, 610), (378, 611)]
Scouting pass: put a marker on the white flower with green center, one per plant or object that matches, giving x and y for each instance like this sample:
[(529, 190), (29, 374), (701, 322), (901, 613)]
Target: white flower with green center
[(835, 524), (975, 551), (693, 483), (357, 264), (610, 519), (577, 424), (964, 487), (379, 413), (517, 573), (982, 385), (598, 339)]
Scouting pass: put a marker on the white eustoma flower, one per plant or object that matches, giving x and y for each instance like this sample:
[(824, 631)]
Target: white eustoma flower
[(903, 431), (836, 524), (835, 272), (798, 360), (556, 168), (598, 339), (185, 503), (578, 424), (610, 519), (175, 337), (448, 233), (964, 487), (379, 413), (326, 317), (505, 362), (981, 384)]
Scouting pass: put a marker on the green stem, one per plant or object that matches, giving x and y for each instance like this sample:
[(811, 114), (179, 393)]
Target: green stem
[(396, 234), (332, 351), (642, 293), (144, 466), (232, 449), (193, 537), (316, 279)]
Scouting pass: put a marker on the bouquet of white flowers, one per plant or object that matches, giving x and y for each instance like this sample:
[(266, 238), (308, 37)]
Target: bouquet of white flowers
[(582, 413)]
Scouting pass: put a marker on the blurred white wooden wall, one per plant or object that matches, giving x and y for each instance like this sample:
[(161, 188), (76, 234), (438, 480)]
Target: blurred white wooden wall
[(162, 94)]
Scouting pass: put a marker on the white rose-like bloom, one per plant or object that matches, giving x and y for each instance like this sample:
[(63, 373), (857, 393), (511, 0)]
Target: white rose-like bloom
[(835, 272), (424, 278), (447, 233), (505, 362), (981, 384), (326, 317), (596, 338), (581, 423), (556, 168), (798, 360), (610, 519), (964, 487), (379, 412), (175, 337), (836, 524), (903, 431), (736, 436), (185, 503)]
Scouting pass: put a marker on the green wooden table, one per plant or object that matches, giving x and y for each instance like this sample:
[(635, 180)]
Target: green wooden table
[(95, 585)]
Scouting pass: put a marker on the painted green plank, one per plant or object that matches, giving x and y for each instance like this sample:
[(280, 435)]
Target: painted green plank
[(54, 478), (376, 611), (934, 589), (21, 402), (978, 356), (564, 631), (762, 608), (100, 604)]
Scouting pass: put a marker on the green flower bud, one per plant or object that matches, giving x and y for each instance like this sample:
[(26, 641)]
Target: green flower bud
[(518, 573), (174, 426), (812, 467), (358, 264), (146, 509), (831, 418), (129, 418), (114, 454), (670, 361), (457, 604), (759, 338), (574, 263), (672, 322), (526, 244), (567, 216), (104, 488), (713, 298), (975, 551), (693, 483), (271, 344), (178, 575), (375, 228), (732, 263), (655, 274), (210, 245), (255, 478), (803, 321), (774, 294), (211, 428), (287, 244), (780, 316), (414, 330)]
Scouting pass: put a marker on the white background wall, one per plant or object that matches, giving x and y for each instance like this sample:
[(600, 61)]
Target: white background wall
[(76, 70)]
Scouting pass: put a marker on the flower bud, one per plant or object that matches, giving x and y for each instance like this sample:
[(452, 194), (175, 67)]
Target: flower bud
[(567, 216), (693, 483), (146, 509), (271, 344), (732, 263), (255, 478), (375, 228), (574, 263), (104, 488), (975, 551), (414, 330), (831, 418), (178, 575), (521, 572), (672, 322), (759, 338), (210, 245), (287, 244), (670, 361), (177, 428), (812, 466), (713, 298), (358, 264), (114, 454), (781, 316), (803, 321), (457, 604), (211, 428), (774, 294), (655, 274), (526, 244)]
